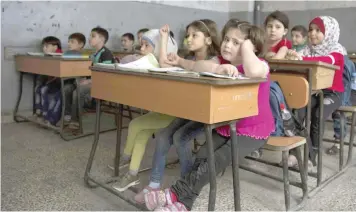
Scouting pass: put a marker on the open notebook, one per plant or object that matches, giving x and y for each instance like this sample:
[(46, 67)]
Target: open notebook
[(208, 74), (43, 54), (174, 71), (141, 65)]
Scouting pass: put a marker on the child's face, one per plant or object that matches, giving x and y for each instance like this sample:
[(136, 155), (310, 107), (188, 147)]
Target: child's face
[(146, 48), (139, 37), (74, 45), (95, 39), (195, 39), (230, 47), (49, 48), (316, 37), (126, 43), (297, 38), (275, 30)]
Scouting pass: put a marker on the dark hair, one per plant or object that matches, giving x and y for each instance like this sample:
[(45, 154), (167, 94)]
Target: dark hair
[(252, 32), (143, 30), (130, 36), (209, 29), (279, 16), (52, 40), (301, 29), (171, 34), (101, 31), (79, 37)]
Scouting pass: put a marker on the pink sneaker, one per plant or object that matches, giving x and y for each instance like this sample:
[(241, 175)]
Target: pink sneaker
[(156, 199), (140, 197), (177, 206)]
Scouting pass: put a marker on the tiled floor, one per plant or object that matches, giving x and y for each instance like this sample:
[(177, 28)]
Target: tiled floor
[(42, 172)]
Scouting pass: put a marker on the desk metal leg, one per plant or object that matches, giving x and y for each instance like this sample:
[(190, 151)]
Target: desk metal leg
[(61, 129), (18, 99), (342, 133), (34, 94), (79, 105), (118, 139), (320, 143), (235, 165), (95, 144), (211, 165)]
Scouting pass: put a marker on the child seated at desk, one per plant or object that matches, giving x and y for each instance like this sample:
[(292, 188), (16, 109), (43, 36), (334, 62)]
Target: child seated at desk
[(276, 26), (323, 46), (141, 128), (98, 38), (76, 43), (139, 38), (203, 42), (242, 43), (127, 42), (45, 84), (299, 37)]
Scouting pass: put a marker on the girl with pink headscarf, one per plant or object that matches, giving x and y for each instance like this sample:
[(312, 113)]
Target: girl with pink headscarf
[(323, 46)]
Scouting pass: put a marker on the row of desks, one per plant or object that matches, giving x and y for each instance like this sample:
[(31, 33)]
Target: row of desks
[(211, 101)]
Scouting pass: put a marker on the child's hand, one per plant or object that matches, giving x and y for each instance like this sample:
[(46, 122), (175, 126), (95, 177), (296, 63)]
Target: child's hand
[(173, 59), (247, 44), (293, 55), (270, 55), (228, 69), (164, 31)]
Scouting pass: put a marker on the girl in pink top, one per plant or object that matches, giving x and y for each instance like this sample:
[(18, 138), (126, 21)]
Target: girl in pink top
[(241, 44)]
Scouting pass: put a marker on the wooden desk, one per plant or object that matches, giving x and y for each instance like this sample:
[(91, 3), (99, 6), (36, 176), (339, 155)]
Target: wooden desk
[(63, 68), (212, 101), (53, 66), (322, 73)]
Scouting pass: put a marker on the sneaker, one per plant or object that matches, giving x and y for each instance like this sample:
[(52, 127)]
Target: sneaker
[(123, 163), (158, 199), (126, 182), (67, 118), (177, 206), (292, 161), (334, 149), (140, 197), (73, 125)]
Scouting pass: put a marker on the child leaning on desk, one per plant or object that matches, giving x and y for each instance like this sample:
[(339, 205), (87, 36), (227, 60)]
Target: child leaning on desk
[(323, 46), (203, 43), (45, 84), (98, 38), (242, 44), (276, 26)]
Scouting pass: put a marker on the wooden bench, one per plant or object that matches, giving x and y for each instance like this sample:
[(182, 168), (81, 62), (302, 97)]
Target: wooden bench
[(296, 91)]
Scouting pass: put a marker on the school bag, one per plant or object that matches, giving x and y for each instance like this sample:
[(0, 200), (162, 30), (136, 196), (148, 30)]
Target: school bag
[(277, 100)]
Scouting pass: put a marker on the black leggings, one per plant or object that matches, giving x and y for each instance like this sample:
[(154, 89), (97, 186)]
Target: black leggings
[(188, 188), (332, 101)]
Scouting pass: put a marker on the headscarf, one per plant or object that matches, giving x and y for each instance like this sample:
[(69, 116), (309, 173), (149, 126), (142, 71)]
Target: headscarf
[(331, 30), (153, 37)]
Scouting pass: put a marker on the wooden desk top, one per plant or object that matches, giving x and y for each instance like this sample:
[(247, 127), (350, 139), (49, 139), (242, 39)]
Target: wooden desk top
[(303, 62), (52, 57), (201, 80)]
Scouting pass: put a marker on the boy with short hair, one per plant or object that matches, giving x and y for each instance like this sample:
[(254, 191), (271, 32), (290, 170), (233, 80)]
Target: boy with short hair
[(127, 42), (98, 38), (76, 43), (299, 37)]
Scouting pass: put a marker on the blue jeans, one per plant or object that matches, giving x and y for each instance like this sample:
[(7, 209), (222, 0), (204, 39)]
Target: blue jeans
[(179, 133)]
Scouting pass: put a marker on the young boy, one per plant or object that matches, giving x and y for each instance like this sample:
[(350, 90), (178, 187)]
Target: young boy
[(127, 42), (97, 40), (76, 43), (299, 37), (46, 84)]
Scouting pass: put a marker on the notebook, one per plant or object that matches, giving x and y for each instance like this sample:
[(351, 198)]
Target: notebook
[(35, 53), (141, 65), (209, 74), (174, 71), (105, 65)]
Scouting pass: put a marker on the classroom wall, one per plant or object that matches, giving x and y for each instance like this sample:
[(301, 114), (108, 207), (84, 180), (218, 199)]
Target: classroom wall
[(24, 24), (301, 12)]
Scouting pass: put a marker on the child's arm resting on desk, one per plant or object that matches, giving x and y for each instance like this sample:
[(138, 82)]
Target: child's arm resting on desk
[(282, 52), (253, 66), (333, 58)]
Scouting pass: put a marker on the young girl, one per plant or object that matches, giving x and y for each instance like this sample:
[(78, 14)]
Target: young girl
[(276, 25), (240, 47), (142, 128), (203, 43), (323, 46)]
